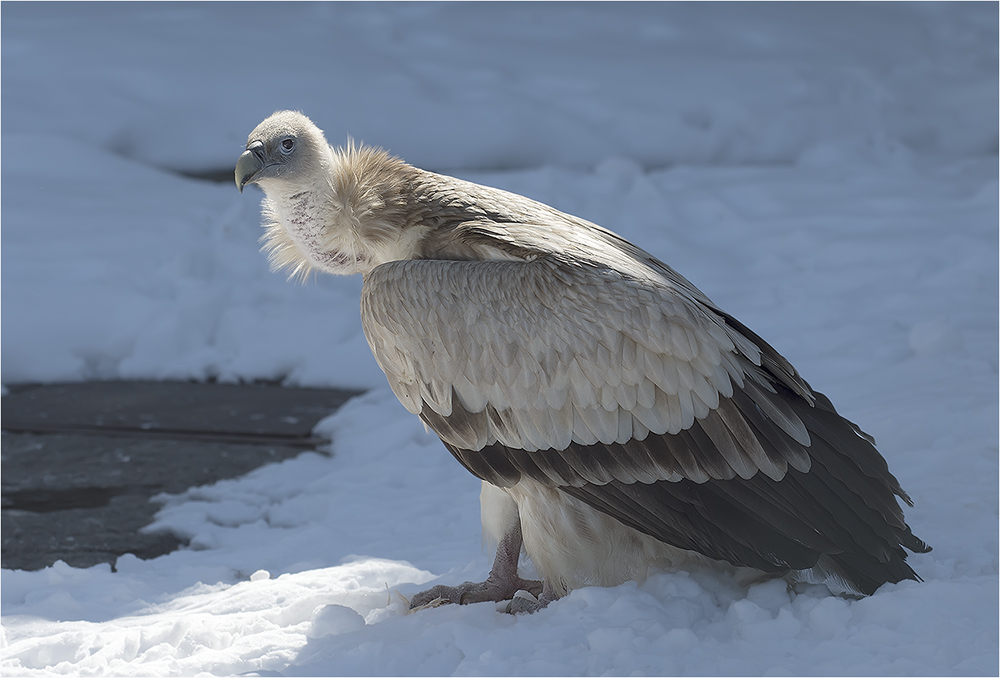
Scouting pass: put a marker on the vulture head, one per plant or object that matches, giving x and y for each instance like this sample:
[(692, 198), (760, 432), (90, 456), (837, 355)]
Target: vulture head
[(340, 211), (283, 149)]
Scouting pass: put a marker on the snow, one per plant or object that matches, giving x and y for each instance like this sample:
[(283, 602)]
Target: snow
[(827, 173)]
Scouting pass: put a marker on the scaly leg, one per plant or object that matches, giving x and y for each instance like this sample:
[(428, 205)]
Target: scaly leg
[(502, 583)]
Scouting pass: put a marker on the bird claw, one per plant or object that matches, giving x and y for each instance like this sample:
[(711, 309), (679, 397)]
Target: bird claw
[(418, 606), (437, 596), (524, 602)]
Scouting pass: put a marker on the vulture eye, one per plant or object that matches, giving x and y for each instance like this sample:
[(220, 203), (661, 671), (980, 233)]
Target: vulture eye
[(287, 145)]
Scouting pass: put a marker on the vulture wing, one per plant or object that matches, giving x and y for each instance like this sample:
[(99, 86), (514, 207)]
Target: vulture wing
[(630, 391)]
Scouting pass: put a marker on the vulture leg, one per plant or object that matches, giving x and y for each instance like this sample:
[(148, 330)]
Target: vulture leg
[(502, 583)]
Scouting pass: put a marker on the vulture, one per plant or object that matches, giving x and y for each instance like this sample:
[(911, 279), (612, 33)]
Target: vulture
[(618, 418)]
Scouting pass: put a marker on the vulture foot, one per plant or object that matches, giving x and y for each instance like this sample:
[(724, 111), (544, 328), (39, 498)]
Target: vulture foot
[(502, 584), (493, 590)]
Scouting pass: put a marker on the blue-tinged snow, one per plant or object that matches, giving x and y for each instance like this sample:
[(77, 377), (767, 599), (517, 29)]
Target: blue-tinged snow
[(827, 173)]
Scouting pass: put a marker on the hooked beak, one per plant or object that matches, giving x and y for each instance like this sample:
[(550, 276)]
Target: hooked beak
[(250, 164)]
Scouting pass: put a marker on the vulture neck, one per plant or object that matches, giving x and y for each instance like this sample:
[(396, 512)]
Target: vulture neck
[(353, 217), (367, 208)]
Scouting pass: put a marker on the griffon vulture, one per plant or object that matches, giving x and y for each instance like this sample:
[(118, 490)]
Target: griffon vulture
[(617, 417)]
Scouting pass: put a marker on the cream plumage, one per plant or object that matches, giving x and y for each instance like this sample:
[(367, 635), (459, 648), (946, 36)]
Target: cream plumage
[(618, 418)]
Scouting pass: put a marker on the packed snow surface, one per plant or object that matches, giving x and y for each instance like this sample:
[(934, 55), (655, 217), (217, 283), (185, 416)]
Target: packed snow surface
[(827, 173)]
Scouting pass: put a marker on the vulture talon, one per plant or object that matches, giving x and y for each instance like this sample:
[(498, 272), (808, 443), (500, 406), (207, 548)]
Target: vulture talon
[(524, 602)]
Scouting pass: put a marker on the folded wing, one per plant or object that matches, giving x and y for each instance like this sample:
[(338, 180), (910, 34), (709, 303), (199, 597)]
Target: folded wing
[(634, 394)]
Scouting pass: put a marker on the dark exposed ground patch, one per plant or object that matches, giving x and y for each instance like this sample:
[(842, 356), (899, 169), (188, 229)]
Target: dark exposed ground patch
[(81, 461)]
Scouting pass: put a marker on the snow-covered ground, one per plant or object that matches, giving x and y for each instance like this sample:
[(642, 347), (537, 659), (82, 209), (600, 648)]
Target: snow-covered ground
[(827, 173)]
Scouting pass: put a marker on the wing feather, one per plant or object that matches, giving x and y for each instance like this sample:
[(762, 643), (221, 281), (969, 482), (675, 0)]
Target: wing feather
[(627, 357)]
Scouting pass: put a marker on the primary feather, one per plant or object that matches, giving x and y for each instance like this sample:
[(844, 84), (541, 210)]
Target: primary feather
[(610, 407)]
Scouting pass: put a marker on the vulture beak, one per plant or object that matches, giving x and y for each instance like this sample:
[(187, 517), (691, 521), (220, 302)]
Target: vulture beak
[(250, 164)]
